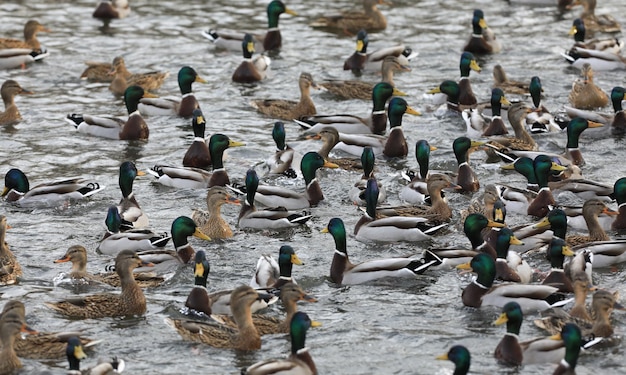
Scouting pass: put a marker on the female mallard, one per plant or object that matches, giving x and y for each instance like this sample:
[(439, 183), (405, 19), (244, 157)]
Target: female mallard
[(361, 60), (17, 190), (485, 205), (466, 178), (482, 292), (280, 162), (10, 328), (147, 81), (288, 109), (111, 9), (114, 240), (351, 21), (269, 41), (591, 210), (356, 89), (509, 265), (277, 217), (522, 140), (11, 114), (466, 96), (578, 30), (460, 356), (299, 361), (270, 274), (99, 71), (31, 28), (198, 155), (501, 81), (11, 268), (183, 107), (245, 337), (352, 144), (357, 192), (604, 23), (128, 207), (483, 40), (479, 125), (211, 222), (133, 128), (390, 229), (130, 302), (619, 192), (251, 70), (75, 353), (416, 190), (343, 272)]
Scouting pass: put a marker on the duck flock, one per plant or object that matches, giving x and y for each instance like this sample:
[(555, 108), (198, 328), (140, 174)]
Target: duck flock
[(323, 194)]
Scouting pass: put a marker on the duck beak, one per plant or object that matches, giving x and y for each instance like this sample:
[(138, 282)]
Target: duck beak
[(141, 173), (199, 270), (544, 223), (442, 357), (325, 230), (412, 111), (289, 11), (328, 164), (465, 266), (499, 216), (501, 319), (232, 200), (593, 124), (610, 212), (474, 66), (433, 148), (494, 224), (26, 329), (572, 31), (508, 167), (397, 92), (515, 241), (198, 233), (65, 258), (308, 298), (436, 90), (296, 260), (5, 191), (146, 264), (79, 353), (314, 136), (148, 95), (359, 45), (200, 80), (504, 101), (567, 251), (232, 143), (556, 337), (483, 23), (315, 323), (557, 168)]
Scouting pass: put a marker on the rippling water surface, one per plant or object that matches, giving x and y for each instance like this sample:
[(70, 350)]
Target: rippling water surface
[(392, 327)]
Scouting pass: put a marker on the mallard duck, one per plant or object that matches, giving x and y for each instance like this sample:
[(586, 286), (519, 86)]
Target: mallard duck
[(280, 162), (582, 188), (416, 190), (557, 251), (11, 114), (198, 155), (539, 119), (19, 57), (619, 192), (270, 218), (468, 62), (599, 60), (288, 109), (17, 190), (578, 30), (542, 165), (31, 28), (269, 41), (130, 302), (274, 196), (376, 123), (351, 21), (183, 107), (211, 222), (251, 70), (133, 128), (591, 210), (482, 292), (357, 192), (572, 339), (361, 60), (114, 240), (605, 253), (99, 71), (452, 91), (474, 227), (479, 125), (343, 272), (484, 205), (356, 89), (460, 356), (75, 353), (604, 23), (148, 81), (483, 40), (11, 269), (352, 144), (508, 86), (128, 207), (466, 178), (618, 125), (245, 337), (396, 146), (509, 265), (272, 274), (110, 10), (522, 140), (10, 328), (390, 229)]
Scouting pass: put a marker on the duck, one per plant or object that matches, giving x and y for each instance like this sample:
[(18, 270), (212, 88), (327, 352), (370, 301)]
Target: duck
[(75, 353), (280, 162), (275, 196), (138, 239), (97, 71), (604, 23), (396, 146), (351, 144), (357, 191), (619, 192), (30, 42), (343, 272), (299, 361), (509, 265), (128, 207), (483, 40), (183, 107), (521, 140), (474, 227), (8, 91), (599, 60), (211, 222), (539, 207), (572, 339), (357, 89), (198, 155), (618, 125), (484, 205), (578, 30), (468, 62), (361, 60), (390, 229), (106, 11), (11, 269), (251, 70), (582, 188), (196, 178), (605, 253), (286, 109), (466, 178), (10, 328), (519, 199), (482, 292), (48, 194), (539, 119), (19, 57), (246, 337), (133, 128), (460, 356), (376, 123), (352, 21), (502, 81), (272, 274), (557, 251), (452, 91), (279, 217), (148, 81), (592, 208), (479, 125), (416, 190), (270, 41), (130, 302)]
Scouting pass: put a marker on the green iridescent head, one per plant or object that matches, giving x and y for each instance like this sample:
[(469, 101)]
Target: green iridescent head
[(535, 91)]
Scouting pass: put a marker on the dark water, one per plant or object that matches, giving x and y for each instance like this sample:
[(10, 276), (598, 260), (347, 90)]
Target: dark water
[(392, 327)]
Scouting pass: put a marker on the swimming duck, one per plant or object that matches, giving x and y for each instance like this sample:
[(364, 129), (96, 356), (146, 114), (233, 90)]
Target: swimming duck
[(599, 60), (582, 188), (572, 338), (390, 229), (416, 190), (75, 353), (474, 227), (147, 81), (508, 86), (17, 190), (578, 30), (288, 109), (269, 41), (605, 253), (30, 42), (271, 218), (519, 199), (482, 292), (483, 40), (351, 21), (356, 89), (11, 269), (619, 192), (211, 222), (280, 162), (557, 251), (591, 210), (468, 62), (604, 23), (10, 329), (484, 205), (128, 207), (9, 90), (376, 123), (251, 70), (19, 57), (395, 146), (479, 125), (110, 10), (343, 272), (452, 91), (361, 60), (522, 140), (183, 107), (460, 356), (270, 274), (542, 165), (357, 192), (133, 128), (509, 265), (99, 71), (466, 178), (539, 119), (352, 144), (130, 302), (198, 155), (618, 125)]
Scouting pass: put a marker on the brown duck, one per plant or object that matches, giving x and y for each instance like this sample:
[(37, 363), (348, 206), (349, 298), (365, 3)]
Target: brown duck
[(11, 114), (10, 268), (287, 109), (211, 222), (123, 78)]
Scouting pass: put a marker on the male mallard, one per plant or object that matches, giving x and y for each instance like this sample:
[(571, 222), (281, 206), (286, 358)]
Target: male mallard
[(557, 251), (133, 128), (31, 28), (111, 9), (361, 60), (599, 60), (452, 92), (19, 57), (11, 114), (468, 62), (542, 165), (578, 30), (605, 253), (130, 302), (460, 356), (479, 125), (280, 162), (139, 239), (198, 155), (357, 192), (128, 207), (211, 222), (183, 107), (466, 178), (147, 81), (351, 21), (539, 119), (572, 338), (288, 109), (251, 70), (604, 23), (395, 146), (270, 274), (11, 269), (582, 188), (299, 361), (508, 86), (483, 40), (416, 190), (618, 125), (619, 192), (269, 41), (10, 328), (75, 353), (271, 218), (356, 89), (17, 190), (509, 265), (343, 272)]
